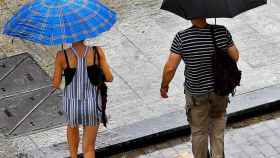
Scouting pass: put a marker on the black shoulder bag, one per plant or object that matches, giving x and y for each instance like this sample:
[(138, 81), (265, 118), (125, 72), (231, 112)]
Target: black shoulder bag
[(226, 73), (98, 79)]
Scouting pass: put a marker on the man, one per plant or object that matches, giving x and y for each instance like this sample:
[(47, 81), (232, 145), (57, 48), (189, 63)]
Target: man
[(205, 110)]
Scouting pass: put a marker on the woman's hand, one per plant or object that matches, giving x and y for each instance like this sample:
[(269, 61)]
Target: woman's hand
[(104, 66)]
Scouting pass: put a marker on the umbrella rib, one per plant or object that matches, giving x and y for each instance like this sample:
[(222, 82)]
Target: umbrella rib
[(95, 28), (43, 24), (105, 20), (61, 17), (28, 16), (85, 23), (65, 24)]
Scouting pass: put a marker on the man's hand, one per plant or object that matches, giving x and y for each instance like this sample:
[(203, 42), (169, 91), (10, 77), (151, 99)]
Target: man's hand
[(168, 72), (163, 92)]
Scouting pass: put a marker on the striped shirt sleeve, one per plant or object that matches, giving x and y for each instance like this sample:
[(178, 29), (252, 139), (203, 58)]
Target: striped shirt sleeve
[(176, 46), (229, 38)]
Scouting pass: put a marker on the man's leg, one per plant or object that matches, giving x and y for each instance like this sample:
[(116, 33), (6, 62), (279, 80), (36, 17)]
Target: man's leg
[(217, 125), (198, 111)]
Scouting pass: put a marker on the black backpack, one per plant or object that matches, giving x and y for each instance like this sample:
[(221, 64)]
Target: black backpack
[(226, 73)]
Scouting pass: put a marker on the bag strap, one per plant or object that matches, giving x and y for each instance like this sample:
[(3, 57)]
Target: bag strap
[(97, 99), (66, 57), (213, 37), (95, 54)]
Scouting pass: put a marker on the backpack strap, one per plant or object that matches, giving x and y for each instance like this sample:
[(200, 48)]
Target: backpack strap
[(213, 37), (67, 62)]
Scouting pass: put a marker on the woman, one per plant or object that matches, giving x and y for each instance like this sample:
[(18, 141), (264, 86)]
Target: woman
[(80, 96)]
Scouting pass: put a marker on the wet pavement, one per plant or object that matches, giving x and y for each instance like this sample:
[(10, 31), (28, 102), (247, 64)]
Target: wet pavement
[(136, 49), (256, 137)]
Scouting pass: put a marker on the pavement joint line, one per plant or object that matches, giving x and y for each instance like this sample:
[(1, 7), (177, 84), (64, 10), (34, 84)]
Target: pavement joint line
[(11, 137), (13, 68), (126, 83), (130, 41), (24, 92), (255, 90), (38, 148)]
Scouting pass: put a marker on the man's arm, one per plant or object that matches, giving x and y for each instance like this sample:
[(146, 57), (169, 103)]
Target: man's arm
[(231, 49), (233, 52), (169, 72)]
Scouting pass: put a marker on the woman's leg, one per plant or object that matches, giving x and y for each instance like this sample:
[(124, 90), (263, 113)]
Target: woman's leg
[(89, 139), (73, 140)]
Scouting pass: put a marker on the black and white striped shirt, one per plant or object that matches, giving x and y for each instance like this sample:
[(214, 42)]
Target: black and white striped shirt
[(196, 47)]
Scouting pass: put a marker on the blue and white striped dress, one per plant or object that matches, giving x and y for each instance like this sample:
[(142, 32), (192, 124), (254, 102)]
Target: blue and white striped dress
[(79, 97)]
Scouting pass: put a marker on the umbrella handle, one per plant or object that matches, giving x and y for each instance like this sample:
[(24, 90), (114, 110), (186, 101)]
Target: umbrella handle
[(34, 108)]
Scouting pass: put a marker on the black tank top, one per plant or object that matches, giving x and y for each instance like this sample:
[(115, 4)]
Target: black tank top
[(95, 73)]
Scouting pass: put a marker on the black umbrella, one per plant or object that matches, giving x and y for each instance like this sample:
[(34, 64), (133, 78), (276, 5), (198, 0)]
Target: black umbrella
[(189, 9)]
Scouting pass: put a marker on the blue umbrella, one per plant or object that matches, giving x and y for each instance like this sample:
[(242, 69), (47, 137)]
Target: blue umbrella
[(53, 22)]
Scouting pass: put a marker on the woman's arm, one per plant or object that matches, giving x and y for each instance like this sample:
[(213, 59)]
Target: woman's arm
[(104, 65), (58, 70)]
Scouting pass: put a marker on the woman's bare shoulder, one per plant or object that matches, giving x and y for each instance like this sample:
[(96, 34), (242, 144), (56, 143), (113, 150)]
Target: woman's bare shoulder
[(60, 57), (100, 51), (59, 54)]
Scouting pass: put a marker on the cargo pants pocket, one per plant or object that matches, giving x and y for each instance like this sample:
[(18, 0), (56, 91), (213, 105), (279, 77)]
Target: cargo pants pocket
[(188, 105), (219, 105)]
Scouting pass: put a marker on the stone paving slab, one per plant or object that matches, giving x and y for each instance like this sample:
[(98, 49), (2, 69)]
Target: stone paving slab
[(20, 74), (23, 84), (47, 116)]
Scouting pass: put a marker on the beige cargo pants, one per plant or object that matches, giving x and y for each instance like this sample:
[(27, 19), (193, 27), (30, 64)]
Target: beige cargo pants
[(206, 116)]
